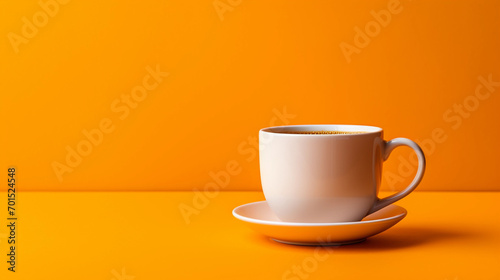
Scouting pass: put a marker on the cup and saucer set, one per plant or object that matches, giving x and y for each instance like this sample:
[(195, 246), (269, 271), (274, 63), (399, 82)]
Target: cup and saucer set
[(321, 184)]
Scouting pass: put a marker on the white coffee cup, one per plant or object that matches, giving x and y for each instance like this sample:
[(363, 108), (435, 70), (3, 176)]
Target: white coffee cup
[(327, 178)]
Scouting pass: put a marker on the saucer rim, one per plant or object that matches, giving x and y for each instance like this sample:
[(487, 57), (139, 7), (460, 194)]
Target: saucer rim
[(280, 223)]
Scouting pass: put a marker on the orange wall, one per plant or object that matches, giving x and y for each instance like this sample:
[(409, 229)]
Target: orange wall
[(234, 67)]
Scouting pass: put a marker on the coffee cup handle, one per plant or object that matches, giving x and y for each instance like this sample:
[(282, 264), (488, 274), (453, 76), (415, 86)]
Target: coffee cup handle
[(389, 147)]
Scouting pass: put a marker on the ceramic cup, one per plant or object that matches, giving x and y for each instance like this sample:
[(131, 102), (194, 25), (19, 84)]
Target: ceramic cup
[(327, 178)]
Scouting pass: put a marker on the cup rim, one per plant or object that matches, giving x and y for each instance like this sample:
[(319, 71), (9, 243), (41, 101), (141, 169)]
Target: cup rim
[(363, 129)]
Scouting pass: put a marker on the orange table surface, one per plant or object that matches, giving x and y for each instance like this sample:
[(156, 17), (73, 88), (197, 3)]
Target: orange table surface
[(142, 235)]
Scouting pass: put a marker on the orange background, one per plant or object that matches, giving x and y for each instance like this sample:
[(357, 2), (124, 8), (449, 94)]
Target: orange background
[(230, 72)]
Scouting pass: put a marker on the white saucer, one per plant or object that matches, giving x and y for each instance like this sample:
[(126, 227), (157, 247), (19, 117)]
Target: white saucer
[(259, 216)]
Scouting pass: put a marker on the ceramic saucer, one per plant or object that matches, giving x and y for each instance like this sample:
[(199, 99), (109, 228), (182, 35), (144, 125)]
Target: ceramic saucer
[(259, 216)]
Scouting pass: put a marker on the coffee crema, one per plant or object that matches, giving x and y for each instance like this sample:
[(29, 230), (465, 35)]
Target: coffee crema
[(322, 132)]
